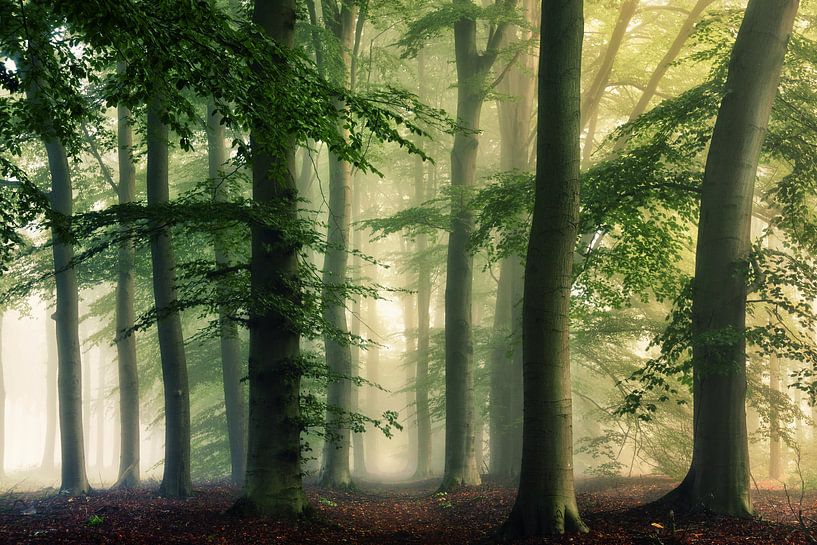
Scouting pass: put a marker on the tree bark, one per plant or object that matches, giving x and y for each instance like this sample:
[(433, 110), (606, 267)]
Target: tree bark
[(129, 438), (718, 479), (358, 447), (546, 501), (49, 451), (234, 403), (100, 411), (775, 457), (336, 472), (422, 413), (274, 484), (2, 408), (69, 379), (176, 477)]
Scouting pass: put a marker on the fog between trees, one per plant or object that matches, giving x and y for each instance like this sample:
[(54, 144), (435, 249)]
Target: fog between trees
[(337, 243)]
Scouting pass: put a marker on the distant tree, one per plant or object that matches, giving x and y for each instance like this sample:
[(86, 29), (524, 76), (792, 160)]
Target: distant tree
[(234, 401), (176, 481)]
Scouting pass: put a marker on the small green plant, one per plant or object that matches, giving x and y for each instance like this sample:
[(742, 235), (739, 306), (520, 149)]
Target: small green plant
[(443, 501), (95, 520), (327, 502)]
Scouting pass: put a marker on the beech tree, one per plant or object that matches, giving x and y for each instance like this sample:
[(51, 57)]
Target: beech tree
[(546, 500), (719, 478)]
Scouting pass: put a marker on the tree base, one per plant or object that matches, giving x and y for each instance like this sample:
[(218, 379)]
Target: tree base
[(684, 499), (537, 518), (281, 509)]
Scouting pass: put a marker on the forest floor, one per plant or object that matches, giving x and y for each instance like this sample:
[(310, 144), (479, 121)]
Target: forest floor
[(410, 514)]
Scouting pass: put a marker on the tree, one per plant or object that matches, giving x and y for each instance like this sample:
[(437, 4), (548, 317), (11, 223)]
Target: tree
[(234, 403), (473, 70), (340, 19), (274, 484), (176, 480), (50, 448), (718, 478), (69, 382), (515, 120), (129, 436), (546, 501)]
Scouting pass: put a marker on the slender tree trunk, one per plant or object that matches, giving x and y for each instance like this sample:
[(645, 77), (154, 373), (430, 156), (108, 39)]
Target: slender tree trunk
[(651, 89), (460, 461), (100, 410), (336, 472), (358, 443), (176, 477), (372, 405), (129, 438), (595, 91), (234, 403), (69, 381), (775, 456), (274, 483), (50, 449), (2, 408), (505, 423), (546, 502), (666, 61), (473, 69), (718, 478), (86, 395)]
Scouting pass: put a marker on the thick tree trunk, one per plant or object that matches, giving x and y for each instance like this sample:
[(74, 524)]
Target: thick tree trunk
[(176, 477), (718, 478), (50, 450), (336, 472), (775, 457), (274, 483), (546, 502), (234, 403), (129, 438)]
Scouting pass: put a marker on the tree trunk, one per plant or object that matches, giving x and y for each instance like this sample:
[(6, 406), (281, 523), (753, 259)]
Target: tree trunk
[(651, 89), (358, 448), (273, 484), (50, 450), (718, 479), (176, 477), (2, 408), (473, 69), (336, 472), (666, 61), (595, 92), (505, 423), (129, 438), (69, 377), (372, 375), (460, 461), (775, 457), (423, 415), (234, 404), (546, 502), (100, 410)]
